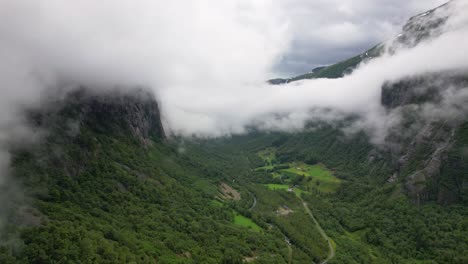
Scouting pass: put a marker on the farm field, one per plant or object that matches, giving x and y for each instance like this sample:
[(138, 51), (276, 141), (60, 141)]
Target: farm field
[(306, 177), (246, 222)]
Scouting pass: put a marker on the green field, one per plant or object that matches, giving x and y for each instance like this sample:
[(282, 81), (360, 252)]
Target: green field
[(246, 222), (275, 187), (285, 187), (322, 178)]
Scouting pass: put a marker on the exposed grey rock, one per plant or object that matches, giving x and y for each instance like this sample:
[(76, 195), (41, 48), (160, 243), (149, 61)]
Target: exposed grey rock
[(114, 111)]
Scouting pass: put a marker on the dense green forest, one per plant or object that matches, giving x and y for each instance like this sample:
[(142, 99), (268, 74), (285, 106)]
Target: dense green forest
[(104, 194), (369, 220)]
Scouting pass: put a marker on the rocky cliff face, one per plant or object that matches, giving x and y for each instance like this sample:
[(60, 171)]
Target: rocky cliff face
[(113, 112), (423, 26), (418, 90), (424, 145), (421, 146)]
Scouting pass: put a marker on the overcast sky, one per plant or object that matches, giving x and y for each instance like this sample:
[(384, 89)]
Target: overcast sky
[(328, 31), (207, 61)]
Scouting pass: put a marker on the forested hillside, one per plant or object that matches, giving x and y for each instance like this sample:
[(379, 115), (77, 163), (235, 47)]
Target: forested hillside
[(106, 186), (104, 183)]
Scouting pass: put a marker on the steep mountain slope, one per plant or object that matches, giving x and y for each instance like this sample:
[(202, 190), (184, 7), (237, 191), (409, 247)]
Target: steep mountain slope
[(416, 157), (423, 151), (389, 200), (105, 185), (417, 29)]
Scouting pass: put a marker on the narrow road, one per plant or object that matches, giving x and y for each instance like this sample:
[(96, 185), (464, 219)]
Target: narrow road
[(331, 253), (290, 251), (254, 201), (286, 239)]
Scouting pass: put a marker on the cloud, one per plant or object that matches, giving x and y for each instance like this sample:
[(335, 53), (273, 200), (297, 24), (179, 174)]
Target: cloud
[(128, 42), (166, 45), (207, 61), (208, 111)]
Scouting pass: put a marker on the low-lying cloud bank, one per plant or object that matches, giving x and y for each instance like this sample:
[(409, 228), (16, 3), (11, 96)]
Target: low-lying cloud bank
[(105, 44), (206, 61), (208, 110)]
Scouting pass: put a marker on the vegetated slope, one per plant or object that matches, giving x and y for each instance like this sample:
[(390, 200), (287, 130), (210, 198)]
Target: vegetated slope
[(337, 70), (106, 186), (369, 219)]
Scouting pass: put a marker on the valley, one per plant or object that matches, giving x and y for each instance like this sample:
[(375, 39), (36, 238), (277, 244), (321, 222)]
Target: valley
[(114, 175), (109, 194)]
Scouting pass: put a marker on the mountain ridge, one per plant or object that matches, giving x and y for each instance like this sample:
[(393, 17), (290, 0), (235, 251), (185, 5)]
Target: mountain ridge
[(417, 28)]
